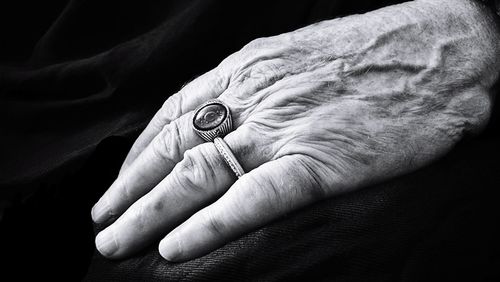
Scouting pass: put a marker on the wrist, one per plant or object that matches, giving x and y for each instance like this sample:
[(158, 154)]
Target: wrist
[(473, 20), (472, 13)]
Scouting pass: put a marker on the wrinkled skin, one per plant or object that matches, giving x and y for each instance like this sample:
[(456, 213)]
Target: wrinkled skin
[(326, 109)]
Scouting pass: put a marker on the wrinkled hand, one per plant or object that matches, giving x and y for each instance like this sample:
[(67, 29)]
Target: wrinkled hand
[(319, 111)]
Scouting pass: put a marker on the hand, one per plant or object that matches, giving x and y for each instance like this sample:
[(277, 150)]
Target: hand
[(326, 109)]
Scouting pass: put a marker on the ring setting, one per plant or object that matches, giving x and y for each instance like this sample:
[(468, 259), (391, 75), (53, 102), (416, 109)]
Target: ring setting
[(211, 121)]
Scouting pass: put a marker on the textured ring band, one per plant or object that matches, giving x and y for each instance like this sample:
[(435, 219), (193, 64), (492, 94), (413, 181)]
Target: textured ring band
[(228, 156)]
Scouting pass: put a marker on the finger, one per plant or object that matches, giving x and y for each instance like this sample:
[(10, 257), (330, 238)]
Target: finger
[(258, 197), (207, 86), (149, 168), (200, 178)]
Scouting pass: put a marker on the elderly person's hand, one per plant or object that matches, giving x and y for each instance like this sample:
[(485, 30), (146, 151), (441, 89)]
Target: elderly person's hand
[(323, 110)]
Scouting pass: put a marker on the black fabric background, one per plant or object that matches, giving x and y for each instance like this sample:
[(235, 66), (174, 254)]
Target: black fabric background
[(80, 79)]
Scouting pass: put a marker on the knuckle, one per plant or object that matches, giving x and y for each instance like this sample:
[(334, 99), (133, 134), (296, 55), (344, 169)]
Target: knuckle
[(280, 191), (264, 194), (476, 110), (248, 130), (248, 146), (255, 49), (166, 145), (183, 175), (261, 74), (256, 43), (214, 224), (270, 68), (259, 64), (196, 171)]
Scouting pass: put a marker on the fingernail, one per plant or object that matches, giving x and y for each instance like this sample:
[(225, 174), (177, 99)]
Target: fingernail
[(100, 212), (106, 243), (170, 248)]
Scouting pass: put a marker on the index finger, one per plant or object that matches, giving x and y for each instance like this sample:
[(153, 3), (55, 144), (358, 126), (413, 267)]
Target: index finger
[(207, 86)]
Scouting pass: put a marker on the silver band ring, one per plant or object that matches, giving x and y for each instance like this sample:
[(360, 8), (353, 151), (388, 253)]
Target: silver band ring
[(212, 121), (228, 156)]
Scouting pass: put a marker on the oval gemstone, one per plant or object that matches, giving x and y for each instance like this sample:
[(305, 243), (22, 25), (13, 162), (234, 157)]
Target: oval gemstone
[(210, 116)]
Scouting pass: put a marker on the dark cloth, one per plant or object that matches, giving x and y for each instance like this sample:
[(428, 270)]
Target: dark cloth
[(79, 80), (494, 5)]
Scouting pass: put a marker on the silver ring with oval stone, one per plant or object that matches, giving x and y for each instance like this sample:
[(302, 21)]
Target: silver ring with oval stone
[(212, 121)]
